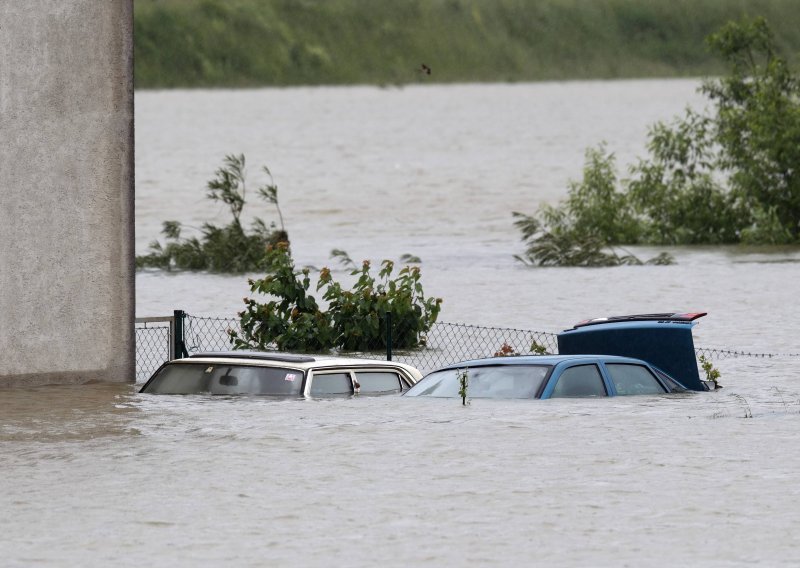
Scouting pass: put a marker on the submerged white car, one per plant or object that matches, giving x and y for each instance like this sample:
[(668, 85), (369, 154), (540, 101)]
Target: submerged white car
[(280, 374)]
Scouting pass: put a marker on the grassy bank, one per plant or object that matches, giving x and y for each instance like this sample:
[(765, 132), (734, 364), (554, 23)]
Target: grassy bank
[(235, 43)]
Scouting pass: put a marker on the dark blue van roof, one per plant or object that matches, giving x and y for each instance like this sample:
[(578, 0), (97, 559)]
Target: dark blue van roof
[(663, 340)]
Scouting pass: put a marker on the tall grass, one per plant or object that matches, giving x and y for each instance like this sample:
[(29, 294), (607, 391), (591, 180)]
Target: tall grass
[(234, 43)]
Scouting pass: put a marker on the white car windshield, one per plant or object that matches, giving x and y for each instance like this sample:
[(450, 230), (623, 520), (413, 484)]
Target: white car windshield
[(494, 381), (225, 378)]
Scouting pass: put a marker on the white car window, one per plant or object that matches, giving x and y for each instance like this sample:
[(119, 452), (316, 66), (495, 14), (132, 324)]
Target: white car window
[(378, 381), (331, 383)]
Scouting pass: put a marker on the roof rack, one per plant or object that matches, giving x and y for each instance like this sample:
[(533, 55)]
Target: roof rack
[(262, 355), (685, 317)]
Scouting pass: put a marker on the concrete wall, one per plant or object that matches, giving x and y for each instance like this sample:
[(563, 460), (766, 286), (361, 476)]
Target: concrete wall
[(66, 191)]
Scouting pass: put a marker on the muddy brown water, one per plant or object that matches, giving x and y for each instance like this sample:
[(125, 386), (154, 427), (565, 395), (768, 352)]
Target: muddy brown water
[(99, 474)]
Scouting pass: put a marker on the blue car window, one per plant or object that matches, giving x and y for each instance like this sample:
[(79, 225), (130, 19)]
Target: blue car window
[(633, 379), (492, 381), (331, 383), (512, 381), (580, 380), (672, 384)]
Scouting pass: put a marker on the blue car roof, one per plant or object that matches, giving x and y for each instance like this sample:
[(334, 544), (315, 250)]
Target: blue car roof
[(539, 360)]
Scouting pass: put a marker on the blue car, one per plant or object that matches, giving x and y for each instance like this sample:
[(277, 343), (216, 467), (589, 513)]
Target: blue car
[(548, 376), (624, 355)]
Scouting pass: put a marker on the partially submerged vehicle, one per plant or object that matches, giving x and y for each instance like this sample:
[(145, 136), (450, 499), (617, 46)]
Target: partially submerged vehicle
[(663, 340), (624, 355), (547, 376), (279, 374)]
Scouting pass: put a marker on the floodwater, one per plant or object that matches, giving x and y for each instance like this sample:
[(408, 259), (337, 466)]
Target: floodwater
[(99, 474)]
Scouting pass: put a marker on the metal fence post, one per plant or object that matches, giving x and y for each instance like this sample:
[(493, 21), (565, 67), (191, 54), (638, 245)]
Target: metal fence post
[(388, 336), (178, 338)]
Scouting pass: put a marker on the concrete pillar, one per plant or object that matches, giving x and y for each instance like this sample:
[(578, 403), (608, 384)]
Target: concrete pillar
[(66, 191)]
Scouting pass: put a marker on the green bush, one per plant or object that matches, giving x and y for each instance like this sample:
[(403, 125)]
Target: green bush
[(675, 192), (355, 319), (729, 176), (585, 228), (221, 249), (757, 124), (293, 322)]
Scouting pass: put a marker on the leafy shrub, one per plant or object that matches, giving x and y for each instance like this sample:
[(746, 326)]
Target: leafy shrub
[(538, 349), (676, 193), (221, 249), (355, 319), (584, 228), (729, 176), (766, 229), (359, 315), (757, 122), (505, 350), (595, 207), (294, 322), (712, 373)]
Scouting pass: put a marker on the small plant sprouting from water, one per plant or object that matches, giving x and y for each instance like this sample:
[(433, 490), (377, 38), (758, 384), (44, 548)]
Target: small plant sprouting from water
[(712, 373), (505, 350), (748, 413), (783, 400), (719, 414), (537, 348), (463, 385), (269, 193)]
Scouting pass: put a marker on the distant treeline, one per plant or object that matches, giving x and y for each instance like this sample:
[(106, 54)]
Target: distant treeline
[(239, 43)]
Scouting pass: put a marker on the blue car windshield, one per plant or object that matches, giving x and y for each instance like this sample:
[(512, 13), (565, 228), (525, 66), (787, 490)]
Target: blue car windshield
[(226, 378), (492, 381)]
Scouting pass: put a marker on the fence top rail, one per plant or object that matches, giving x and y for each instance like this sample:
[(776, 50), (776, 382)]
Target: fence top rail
[(213, 318), (452, 324), (718, 352), (156, 319), (439, 323), (711, 352)]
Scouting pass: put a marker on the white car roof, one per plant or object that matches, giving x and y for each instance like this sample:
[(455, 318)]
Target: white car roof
[(295, 361)]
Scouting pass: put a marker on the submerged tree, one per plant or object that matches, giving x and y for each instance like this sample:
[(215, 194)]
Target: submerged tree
[(586, 229), (727, 176), (222, 249), (757, 128)]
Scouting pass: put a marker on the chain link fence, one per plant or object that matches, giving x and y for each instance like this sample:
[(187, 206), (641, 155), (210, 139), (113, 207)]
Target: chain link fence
[(157, 339), (209, 334), (448, 343), (444, 344), (153, 341), (718, 353)]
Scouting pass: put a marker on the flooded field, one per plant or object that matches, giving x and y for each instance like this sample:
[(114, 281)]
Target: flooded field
[(99, 474)]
